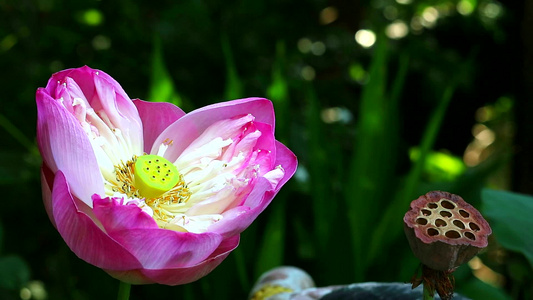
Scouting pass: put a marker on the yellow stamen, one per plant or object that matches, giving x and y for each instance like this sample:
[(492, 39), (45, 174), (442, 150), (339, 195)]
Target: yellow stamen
[(163, 196)]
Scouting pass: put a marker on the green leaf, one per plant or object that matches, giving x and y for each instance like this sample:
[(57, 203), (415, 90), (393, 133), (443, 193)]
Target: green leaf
[(15, 132), (233, 83), (510, 217), (161, 87), (318, 163), (272, 247), (388, 229), (477, 289), (373, 159), (14, 272), (1, 236), (278, 92)]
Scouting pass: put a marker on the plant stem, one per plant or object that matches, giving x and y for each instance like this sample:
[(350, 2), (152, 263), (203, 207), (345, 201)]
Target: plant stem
[(124, 291), (428, 292)]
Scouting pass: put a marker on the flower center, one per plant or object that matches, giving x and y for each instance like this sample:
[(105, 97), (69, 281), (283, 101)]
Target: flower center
[(154, 179), (154, 175)]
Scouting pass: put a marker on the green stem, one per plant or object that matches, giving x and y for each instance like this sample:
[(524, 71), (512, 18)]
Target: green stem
[(428, 292), (123, 291)]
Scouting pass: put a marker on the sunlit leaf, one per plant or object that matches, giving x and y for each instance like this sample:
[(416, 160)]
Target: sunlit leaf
[(161, 84), (440, 166), (278, 91), (510, 217)]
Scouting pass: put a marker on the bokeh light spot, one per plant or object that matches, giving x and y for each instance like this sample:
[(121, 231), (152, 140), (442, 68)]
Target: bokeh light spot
[(304, 45), (328, 15), (416, 24), (390, 12), (336, 114), (430, 15), (101, 42), (492, 10), (466, 7), (365, 38), (397, 30), (357, 72), (92, 17), (318, 48), (308, 73), (7, 42)]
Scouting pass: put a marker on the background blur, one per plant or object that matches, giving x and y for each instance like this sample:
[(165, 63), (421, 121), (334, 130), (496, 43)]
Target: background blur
[(381, 100)]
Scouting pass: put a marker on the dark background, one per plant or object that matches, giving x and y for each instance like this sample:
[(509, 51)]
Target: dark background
[(213, 51)]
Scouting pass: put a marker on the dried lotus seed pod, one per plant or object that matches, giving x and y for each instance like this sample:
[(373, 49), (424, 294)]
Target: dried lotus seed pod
[(444, 231)]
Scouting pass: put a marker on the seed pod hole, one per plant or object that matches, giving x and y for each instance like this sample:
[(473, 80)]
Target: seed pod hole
[(426, 212), (452, 234), (440, 223), (446, 213), (432, 205), (432, 232), (470, 236), (474, 226), (459, 224), (447, 204), (421, 221), (464, 213)]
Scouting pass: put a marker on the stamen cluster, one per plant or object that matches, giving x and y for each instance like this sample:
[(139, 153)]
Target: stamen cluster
[(124, 183)]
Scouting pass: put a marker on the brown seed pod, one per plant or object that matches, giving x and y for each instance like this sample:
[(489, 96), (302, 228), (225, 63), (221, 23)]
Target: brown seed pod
[(444, 231)]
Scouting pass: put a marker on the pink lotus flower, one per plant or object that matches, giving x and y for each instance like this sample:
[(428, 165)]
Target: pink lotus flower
[(146, 192)]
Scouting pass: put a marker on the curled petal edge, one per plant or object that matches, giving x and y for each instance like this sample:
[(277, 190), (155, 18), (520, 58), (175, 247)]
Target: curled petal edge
[(82, 235), (178, 276), (154, 247)]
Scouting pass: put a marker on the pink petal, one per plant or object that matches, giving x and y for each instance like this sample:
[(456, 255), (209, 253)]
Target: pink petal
[(237, 219), (154, 247), (185, 130), (116, 217), (225, 129), (102, 93), (177, 276), (47, 181), (163, 248), (64, 146), (286, 159), (117, 105), (156, 117), (82, 235)]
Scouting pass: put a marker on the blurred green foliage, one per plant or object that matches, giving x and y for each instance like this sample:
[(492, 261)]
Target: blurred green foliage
[(511, 214), (373, 127)]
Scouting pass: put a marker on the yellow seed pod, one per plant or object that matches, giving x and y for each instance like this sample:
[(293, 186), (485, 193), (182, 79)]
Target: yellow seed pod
[(154, 175)]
